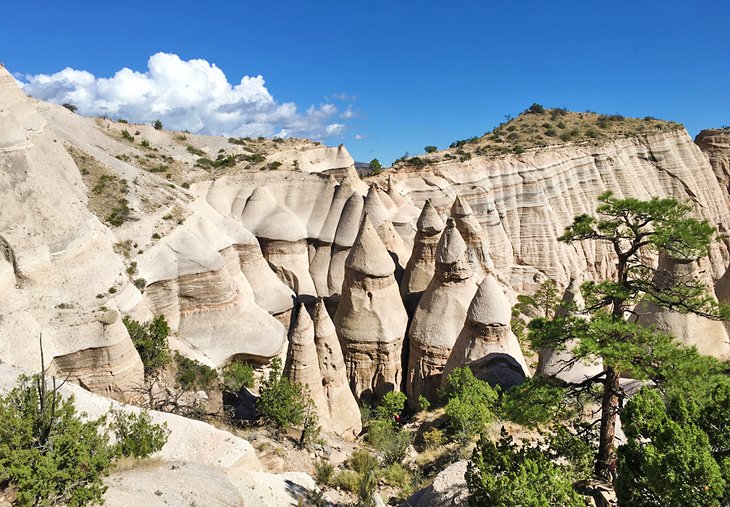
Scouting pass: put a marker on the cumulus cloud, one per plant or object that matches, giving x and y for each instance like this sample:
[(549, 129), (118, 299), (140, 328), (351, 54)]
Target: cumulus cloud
[(348, 113), (194, 95)]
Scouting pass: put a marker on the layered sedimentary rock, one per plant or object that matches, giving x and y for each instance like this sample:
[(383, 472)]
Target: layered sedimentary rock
[(422, 263), (715, 143), (709, 336), (486, 344), (343, 408), (194, 279), (561, 363), (532, 197), (473, 234), (58, 269), (440, 316), (370, 319), (302, 364)]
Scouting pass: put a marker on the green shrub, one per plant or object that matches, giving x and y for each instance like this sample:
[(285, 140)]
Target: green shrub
[(430, 149), (136, 435), (70, 107), (423, 403), (237, 375), (157, 125), (195, 151), (536, 108), (375, 167), (389, 440), (518, 149), (145, 143), (119, 213), (504, 475), (193, 375), (280, 402), (470, 403), (433, 438), (324, 473), (150, 340), (47, 451), (126, 135), (347, 480), (391, 405), (140, 283)]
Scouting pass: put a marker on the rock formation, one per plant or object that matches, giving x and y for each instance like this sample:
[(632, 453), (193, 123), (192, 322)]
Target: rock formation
[(370, 319), (343, 409), (715, 143), (561, 363), (440, 316), (302, 364), (486, 344), (421, 265), (476, 241), (709, 336)]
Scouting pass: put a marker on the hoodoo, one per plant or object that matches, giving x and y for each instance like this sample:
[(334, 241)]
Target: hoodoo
[(370, 319), (473, 234), (302, 364), (422, 263), (486, 344), (440, 316), (342, 406)]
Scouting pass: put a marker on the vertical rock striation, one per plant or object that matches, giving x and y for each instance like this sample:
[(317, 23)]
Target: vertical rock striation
[(422, 263), (440, 316), (370, 319), (302, 364), (342, 406)]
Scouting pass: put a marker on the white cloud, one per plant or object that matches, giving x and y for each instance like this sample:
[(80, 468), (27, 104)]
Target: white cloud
[(193, 95), (359, 137), (348, 114), (345, 97)]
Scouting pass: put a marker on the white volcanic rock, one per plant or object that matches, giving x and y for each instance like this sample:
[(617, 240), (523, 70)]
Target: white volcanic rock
[(302, 365), (447, 489), (709, 336), (421, 264), (715, 143), (440, 316), (189, 440), (473, 234), (370, 319), (537, 194), (561, 363), (343, 409), (486, 344), (205, 297), (55, 258)]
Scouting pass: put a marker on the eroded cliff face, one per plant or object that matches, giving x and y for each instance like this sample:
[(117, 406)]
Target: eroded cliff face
[(225, 236)]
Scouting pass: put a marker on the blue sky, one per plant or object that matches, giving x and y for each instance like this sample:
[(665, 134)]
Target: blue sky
[(413, 73)]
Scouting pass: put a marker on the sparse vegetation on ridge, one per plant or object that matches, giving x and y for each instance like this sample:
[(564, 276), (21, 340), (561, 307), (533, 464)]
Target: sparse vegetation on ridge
[(539, 127)]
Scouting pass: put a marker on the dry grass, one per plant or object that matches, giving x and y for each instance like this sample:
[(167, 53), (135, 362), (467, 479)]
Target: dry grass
[(128, 463)]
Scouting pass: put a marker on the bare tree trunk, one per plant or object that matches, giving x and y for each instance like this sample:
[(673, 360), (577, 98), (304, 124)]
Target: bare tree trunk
[(606, 459)]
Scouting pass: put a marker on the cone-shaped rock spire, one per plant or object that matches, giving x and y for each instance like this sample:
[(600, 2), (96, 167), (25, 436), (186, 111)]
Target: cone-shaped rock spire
[(421, 265), (486, 343), (302, 364), (371, 320), (440, 316), (473, 234), (343, 409)]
